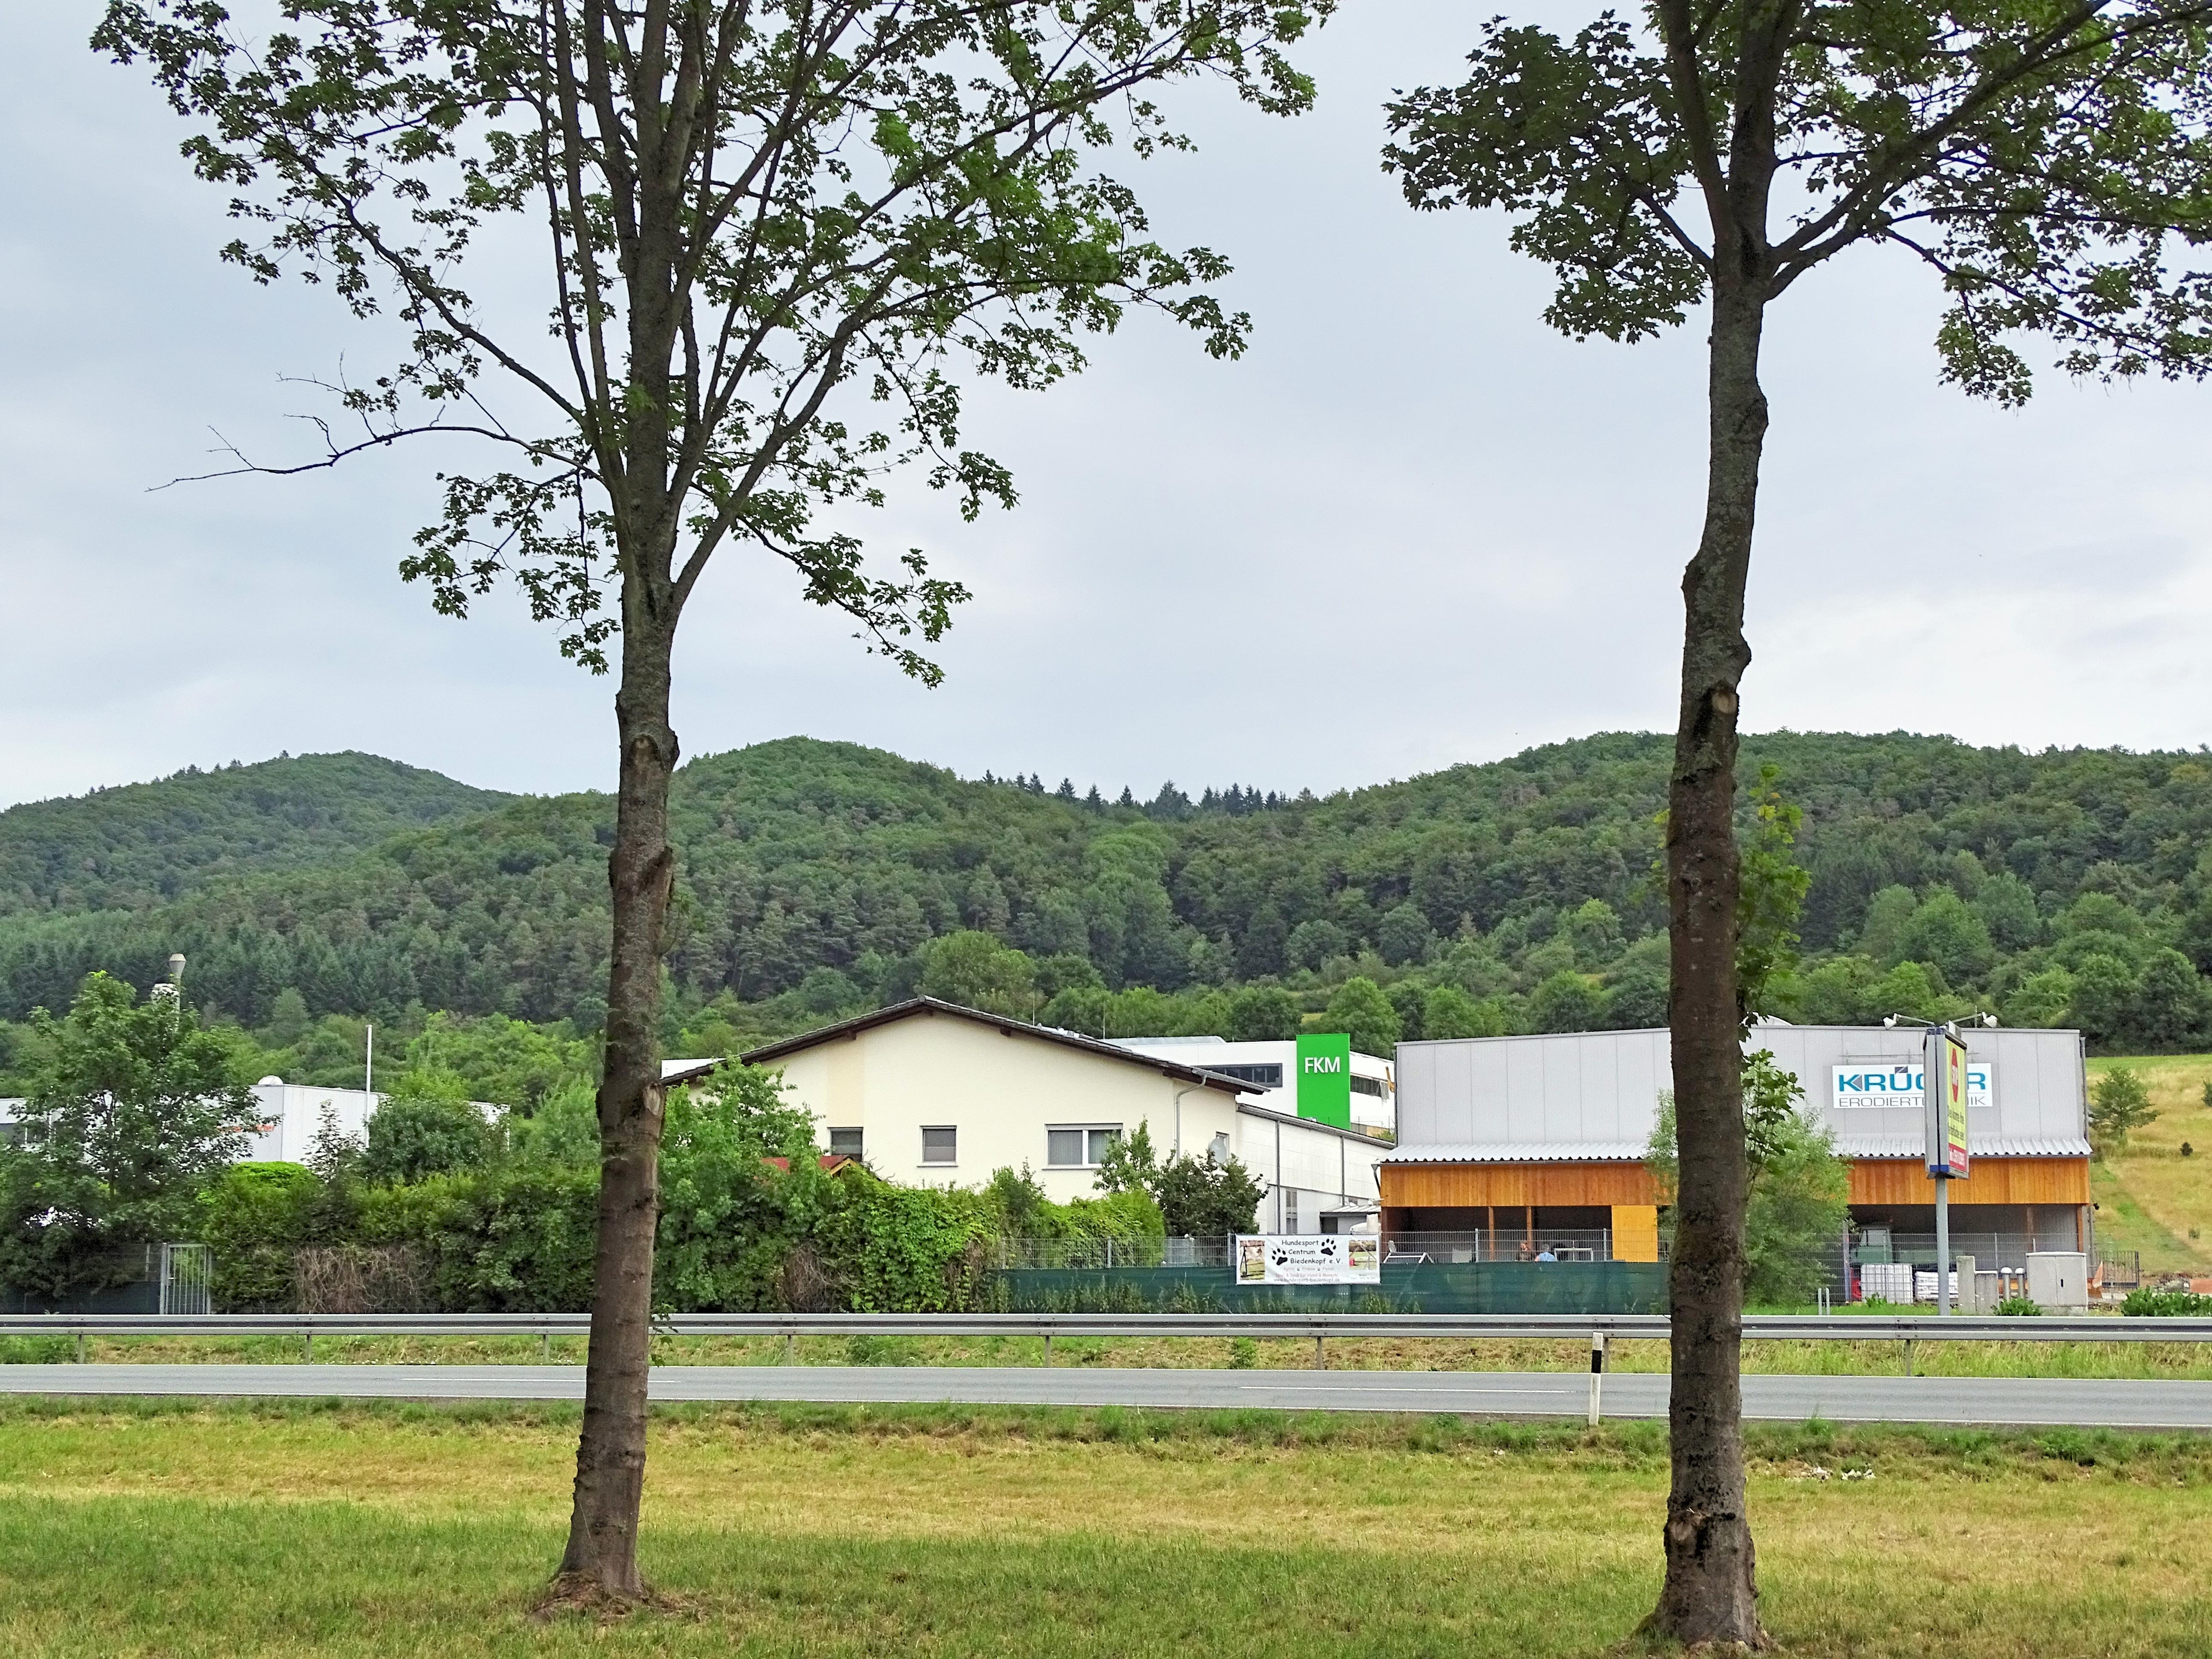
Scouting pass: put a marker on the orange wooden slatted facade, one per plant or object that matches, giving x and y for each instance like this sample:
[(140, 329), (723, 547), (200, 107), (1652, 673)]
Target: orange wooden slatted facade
[(1565, 1186), (1990, 1180), (1549, 1186)]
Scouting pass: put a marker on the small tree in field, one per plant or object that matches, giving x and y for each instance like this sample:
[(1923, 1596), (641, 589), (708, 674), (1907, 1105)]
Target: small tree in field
[(2120, 1105), (775, 232), (2051, 165)]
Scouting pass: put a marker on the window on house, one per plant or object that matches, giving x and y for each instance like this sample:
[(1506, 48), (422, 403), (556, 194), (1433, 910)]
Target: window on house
[(1366, 1085), (1078, 1148), (940, 1145), (1290, 1209), (845, 1142)]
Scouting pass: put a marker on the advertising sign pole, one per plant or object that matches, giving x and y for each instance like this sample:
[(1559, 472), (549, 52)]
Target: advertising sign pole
[(1943, 1070), (1943, 1246)]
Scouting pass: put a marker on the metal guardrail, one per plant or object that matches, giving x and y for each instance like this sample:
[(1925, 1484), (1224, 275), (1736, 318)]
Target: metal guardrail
[(1845, 1327)]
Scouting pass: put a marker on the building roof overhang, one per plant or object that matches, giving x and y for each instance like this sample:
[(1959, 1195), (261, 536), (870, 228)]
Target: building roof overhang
[(1876, 1148), (915, 1006), (1522, 1151)]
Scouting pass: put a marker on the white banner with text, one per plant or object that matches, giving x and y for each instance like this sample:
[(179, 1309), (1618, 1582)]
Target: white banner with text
[(1309, 1259)]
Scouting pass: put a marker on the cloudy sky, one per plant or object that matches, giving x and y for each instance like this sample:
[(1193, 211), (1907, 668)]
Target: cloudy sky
[(1411, 527)]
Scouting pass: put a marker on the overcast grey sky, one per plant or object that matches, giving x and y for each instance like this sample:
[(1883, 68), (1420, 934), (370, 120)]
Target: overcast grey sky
[(1411, 527)]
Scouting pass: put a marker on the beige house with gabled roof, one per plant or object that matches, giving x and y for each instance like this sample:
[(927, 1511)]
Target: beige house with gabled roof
[(931, 1093)]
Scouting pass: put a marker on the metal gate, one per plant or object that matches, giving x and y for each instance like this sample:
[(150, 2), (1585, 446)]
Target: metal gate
[(187, 1278)]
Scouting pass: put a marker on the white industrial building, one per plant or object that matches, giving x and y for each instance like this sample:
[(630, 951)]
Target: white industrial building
[(1269, 1070), (929, 1093), (1507, 1144)]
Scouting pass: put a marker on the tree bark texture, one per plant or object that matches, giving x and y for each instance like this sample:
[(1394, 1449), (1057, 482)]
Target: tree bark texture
[(1710, 1594), (641, 869), (644, 157)]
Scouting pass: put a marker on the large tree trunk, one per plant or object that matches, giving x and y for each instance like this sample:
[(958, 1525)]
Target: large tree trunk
[(1711, 1595), (601, 1554)]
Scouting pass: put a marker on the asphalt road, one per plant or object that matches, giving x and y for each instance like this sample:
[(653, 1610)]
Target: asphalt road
[(2018, 1402)]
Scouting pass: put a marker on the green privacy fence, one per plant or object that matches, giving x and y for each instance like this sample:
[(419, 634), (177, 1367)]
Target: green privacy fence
[(1483, 1287)]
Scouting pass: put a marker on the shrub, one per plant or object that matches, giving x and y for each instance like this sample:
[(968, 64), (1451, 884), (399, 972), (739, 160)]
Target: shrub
[(345, 1278), (254, 1217), (904, 1249), (35, 1350), (1018, 1198), (2167, 1304), (1200, 1199), (2019, 1307), (426, 1127), (515, 1239), (1195, 1197), (729, 1217)]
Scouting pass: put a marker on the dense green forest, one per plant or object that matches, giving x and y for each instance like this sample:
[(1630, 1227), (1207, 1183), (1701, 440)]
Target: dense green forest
[(142, 844), (2066, 887)]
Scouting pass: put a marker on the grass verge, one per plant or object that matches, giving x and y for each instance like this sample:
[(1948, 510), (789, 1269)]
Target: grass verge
[(2119, 1360), (298, 1527)]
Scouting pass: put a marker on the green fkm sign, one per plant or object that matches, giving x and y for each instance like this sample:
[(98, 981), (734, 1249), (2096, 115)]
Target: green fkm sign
[(1325, 1080)]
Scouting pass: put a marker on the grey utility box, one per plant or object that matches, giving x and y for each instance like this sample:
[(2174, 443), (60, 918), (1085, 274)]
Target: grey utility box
[(2058, 1279)]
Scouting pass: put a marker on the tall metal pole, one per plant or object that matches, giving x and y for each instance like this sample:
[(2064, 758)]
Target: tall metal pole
[(1942, 1246)]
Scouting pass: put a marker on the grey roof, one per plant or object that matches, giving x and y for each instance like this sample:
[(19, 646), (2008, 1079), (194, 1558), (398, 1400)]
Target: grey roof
[(1520, 1152), (1880, 1147)]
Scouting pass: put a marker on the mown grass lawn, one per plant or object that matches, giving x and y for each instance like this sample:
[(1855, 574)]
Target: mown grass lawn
[(159, 1529)]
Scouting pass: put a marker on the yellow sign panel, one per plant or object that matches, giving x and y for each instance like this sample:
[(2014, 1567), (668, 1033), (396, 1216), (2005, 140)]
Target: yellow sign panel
[(1946, 1103)]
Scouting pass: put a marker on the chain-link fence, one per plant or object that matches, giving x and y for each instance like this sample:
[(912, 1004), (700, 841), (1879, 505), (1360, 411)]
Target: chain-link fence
[(131, 1278), (1989, 1249)]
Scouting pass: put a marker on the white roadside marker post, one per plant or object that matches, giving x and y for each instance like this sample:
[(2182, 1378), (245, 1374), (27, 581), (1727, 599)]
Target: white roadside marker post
[(1597, 1376)]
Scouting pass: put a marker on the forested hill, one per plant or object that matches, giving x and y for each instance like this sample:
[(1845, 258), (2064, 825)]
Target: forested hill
[(2070, 886), (142, 844)]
